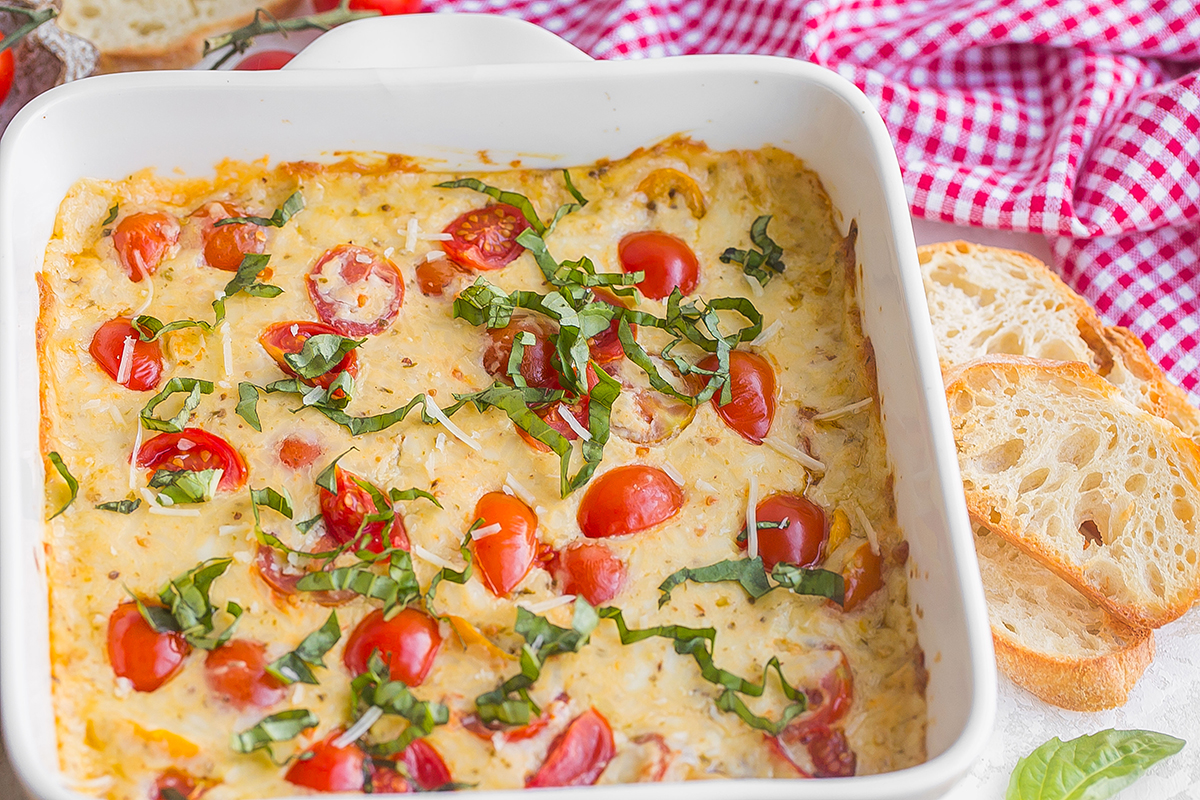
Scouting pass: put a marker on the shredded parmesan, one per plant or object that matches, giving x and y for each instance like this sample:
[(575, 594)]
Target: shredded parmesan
[(673, 473), (115, 413), (523, 494), (312, 396), (768, 334), (484, 531), (359, 728), (546, 605), (432, 558), (756, 288), (137, 445), (174, 512), (227, 349), (705, 486), (844, 411), (872, 536), (455, 431), (90, 404), (230, 530), (386, 254), (439, 441), (434, 255), (573, 423), (752, 519), (126, 368), (794, 453), (147, 495), (410, 238), (435, 237)]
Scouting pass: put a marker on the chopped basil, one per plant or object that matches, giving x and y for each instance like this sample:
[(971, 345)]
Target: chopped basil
[(194, 388), (752, 576), (121, 506), (401, 496), (296, 666), (112, 214), (762, 264), (1089, 767), (375, 688), (327, 478), (447, 574), (397, 589), (276, 501), (243, 281), (167, 793), (816, 582), (247, 406), (514, 199), (72, 484), (305, 525), (150, 328), (181, 486), (186, 608), (289, 209), (281, 727), (581, 273), (320, 354)]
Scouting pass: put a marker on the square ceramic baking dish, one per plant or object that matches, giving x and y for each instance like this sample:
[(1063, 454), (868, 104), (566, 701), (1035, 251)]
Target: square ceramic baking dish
[(445, 87)]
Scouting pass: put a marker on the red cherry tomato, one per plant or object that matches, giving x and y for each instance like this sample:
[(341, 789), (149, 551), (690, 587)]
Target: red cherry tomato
[(830, 701), (552, 415), (537, 359), (144, 240), (283, 338), (434, 276), (589, 569), (408, 643), (7, 71), (355, 290), (194, 450), (329, 768), (485, 238), (863, 573), (384, 7), (505, 558), (177, 781), (802, 542), (422, 764), (666, 260), (265, 59), (282, 577), (751, 407), (138, 652), (225, 245), (578, 755), (145, 359), (236, 673), (627, 500), (605, 346), (297, 451), (817, 751), (344, 513)]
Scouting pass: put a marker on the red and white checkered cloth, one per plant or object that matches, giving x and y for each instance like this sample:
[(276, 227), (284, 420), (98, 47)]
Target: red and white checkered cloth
[(1079, 119)]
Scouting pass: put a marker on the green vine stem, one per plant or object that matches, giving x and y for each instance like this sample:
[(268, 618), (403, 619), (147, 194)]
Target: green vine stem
[(240, 40), (34, 19)]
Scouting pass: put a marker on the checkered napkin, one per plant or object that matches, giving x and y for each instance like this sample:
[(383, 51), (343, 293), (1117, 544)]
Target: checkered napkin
[(1079, 119)]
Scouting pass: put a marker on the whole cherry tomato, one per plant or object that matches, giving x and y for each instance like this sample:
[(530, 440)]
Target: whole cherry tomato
[(863, 575), (280, 339), (329, 768), (226, 245), (504, 558), (194, 450), (7, 70), (145, 358), (282, 577), (751, 407), (606, 345), (589, 569), (434, 276), (423, 765), (485, 238), (177, 781), (384, 7), (537, 359), (265, 59), (141, 654), (355, 290), (579, 755), (236, 673), (408, 643), (344, 513), (666, 260), (143, 240), (627, 500), (298, 451), (802, 542)]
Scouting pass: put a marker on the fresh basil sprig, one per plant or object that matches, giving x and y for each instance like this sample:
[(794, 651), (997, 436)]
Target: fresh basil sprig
[(752, 576), (281, 727), (182, 486), (374, 688), (186, 608), (296, 666), (194, 387), (292, 206), (1090, 767), (121, 506), (762, 264), (72, 483)]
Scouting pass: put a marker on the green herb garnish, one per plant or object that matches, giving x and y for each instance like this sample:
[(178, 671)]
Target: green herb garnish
[(752, 576), (447, 574), (397, 589), (289, 209), (296, 666), (72, 484), (281, 727), (121, 506), (762, 264), (320, 354), (1090, 767), (279, 502), (374, 688), (194, 388), (182, 486), (112, 214), (186, 608), (149, 328)]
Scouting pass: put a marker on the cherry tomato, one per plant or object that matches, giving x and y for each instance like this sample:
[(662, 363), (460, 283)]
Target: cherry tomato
[(751, 407), (627, 500), (329, 768), (518, 734), (552, 415), (145, 359), (434, 276), (344, 513), (537, 359), (817, 751), (265, 59), (282, 577), (144, 240), (863, 576), (485, 238), (7, 70), (642, 414), (284, 338), (225, 245), (606, 345), (236, 673), (194, 450), (667, 261), (505, 558), (423, 765), (578, 755), (802, 542), (384, 7), (355, 290), (138, 652), (408, 643), (297, 451), (177, 781), (589, 569), (830, 701)]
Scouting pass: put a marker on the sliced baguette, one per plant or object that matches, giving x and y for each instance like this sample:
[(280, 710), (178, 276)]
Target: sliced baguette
[(1053, 641), (1102, 493), (986, 300)]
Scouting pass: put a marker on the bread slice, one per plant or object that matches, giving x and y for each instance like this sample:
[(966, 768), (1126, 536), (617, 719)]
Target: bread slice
[(158, 34), (1104, 494), (1050, 639), (986, 300)]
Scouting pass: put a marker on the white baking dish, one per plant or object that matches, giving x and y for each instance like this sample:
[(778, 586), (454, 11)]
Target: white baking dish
[(539, 100)]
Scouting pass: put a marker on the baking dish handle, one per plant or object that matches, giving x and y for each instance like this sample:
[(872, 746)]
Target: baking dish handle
[(434, 40)]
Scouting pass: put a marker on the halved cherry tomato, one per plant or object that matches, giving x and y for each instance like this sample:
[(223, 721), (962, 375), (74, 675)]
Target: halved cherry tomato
[(265, 59), (579, 755), (643, 414), (666, 260), (145, 359), (485, 238), (143, 240), (589, 569), (177, 781), (817, 751), (236, 672), (226, 245), (138, 652), (284, 338), (297, 451), (282, 577), (751, 407), (194, 450), (505, 558), (802, 542), (329, 768), (408, 643), (606, 345), (384, 7), (863, 575), (356, 290), (434, 276), (627, 500), (830, 701), (537, 359), (344, 513), (7, 70), (423, 765), (552, 415)]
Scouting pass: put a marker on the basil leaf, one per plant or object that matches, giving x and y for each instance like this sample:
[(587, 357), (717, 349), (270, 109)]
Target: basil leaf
[(72, 484), (816, 582), (279, 727), (296, 666), (184, 486), (397, 589), (518, 201), (447, 574), (289, 209), (121, 506), (600, 404), (327, 478), (243, 281), (320, 354), (247, 406), (112, 214), (763, 264), (1090, 767), (150, 328), (273, 500), (167, 793), (186, 607), (567, 208), (304, 526), (194, 388), (399, 496), (374, 688), (579, 198), (357, 426), (746, 571)]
